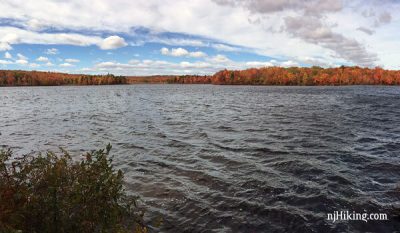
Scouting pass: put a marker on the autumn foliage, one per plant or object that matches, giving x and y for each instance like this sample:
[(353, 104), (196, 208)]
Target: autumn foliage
[(293, 76), (37, 78), (308, 76)]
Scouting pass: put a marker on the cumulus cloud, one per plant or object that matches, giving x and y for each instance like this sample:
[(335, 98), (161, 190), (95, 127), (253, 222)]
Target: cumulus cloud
[(219, 58), (66, 64), (309, 26), (112, 42), (164, 51), (180, 52), (289, 63), (5, 46), (7, 55), (312, 30), (312, 61), (6, 40), (197, 54), (42, 59), (21, 56), (21, 62), (14, 35), (257, 64), (195, 65), (52, 51), (239, 23), (153, 67), (5, 62), (34, 65), (72, 60)]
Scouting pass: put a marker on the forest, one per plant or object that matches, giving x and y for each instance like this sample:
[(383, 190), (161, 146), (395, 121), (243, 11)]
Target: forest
[(292, 76), (296, 76), (37, 78)]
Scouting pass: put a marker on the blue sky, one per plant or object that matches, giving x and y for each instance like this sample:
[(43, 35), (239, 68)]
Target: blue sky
[(145, 37)]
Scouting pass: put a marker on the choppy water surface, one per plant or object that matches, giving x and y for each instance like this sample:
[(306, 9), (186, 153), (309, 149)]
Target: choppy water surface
[(228, 158)]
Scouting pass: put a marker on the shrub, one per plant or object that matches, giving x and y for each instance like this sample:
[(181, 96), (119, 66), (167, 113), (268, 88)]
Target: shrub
[(54, 193)]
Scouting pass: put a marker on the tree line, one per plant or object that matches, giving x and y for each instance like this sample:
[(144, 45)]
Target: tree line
[(296, 76), (37, 78), (292, 76)]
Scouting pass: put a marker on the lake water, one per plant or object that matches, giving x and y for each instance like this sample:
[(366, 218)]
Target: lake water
[(228, 158)]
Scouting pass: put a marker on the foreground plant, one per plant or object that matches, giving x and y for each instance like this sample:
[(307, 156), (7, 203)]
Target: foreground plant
[(53, 193)]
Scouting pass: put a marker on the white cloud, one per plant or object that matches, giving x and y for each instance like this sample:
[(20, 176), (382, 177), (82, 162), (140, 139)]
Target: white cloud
[(180, 52), (289, 64), (112, 42), (66, 64), (52, 51), (21, 56), (5, 46), (178, 41), (42, 59), (49, 64), (196, 65), (154, 67), (72, 60), (227, 48), (5, 62), (197, 54), (34, 25), (13, 35), (257, 64), (259, 24), (219, 58), (312, 61), (164, 51), (7, 55), (310, 29), (21, 62), (9, 36), (34, 65)]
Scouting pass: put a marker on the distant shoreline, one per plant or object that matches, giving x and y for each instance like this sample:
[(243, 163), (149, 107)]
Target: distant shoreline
[(267, 76)]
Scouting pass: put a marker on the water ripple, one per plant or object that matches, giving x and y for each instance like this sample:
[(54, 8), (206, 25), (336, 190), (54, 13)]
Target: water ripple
[(228, 158)]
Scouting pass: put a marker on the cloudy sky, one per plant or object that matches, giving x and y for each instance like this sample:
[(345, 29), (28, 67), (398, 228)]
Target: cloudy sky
[(142, 37)]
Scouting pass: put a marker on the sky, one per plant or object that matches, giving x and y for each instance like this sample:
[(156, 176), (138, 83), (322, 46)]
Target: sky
[(147, 37)]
